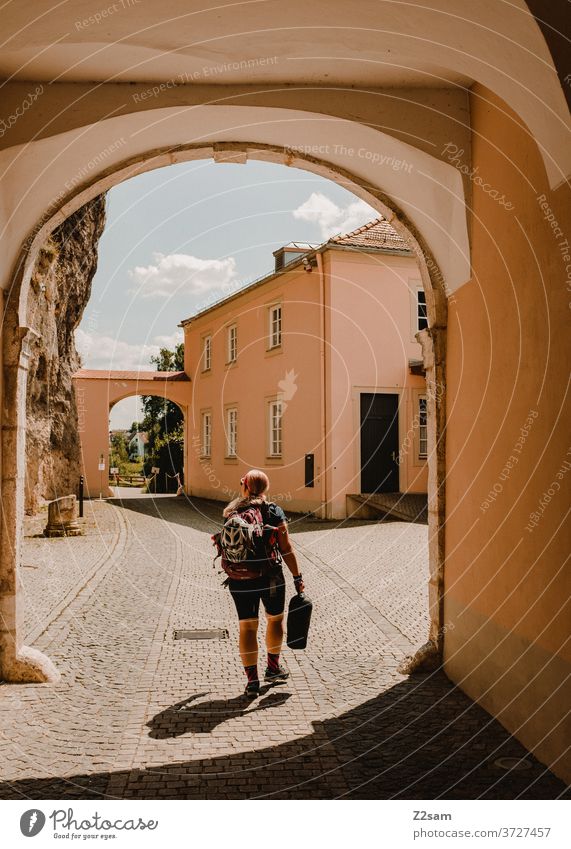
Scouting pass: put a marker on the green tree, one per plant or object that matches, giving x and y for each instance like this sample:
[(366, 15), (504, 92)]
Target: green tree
[(119, 455), (135, 428), (163, 424)]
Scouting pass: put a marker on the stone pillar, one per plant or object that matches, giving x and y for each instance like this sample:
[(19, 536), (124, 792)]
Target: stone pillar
[(433, 346), (433, 342), (17, 662), (92, 398), (62, 518)]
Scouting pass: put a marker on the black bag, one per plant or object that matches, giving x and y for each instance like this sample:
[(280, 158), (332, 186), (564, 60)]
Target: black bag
[(298, 618)]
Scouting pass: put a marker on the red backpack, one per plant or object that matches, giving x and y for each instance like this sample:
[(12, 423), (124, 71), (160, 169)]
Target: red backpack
[(247, 544)]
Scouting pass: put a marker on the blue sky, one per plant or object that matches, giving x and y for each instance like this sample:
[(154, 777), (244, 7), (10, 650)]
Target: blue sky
[(181, 236)]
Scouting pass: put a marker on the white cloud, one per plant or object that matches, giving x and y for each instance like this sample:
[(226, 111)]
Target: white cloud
[(171, 341), (125, 412), (106, 352), (333, 219), (173, 274)]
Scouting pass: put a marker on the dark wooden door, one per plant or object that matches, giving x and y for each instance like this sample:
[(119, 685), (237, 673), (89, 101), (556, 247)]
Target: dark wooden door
[(379, 442)]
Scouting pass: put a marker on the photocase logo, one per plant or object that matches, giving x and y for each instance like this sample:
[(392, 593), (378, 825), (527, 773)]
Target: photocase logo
[(287, 388), (32, 822)]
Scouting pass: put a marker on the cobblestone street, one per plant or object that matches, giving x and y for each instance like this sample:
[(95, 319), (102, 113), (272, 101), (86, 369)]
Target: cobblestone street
[(138, 714)]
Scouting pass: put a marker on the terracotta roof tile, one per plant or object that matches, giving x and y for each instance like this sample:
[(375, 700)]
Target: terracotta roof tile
[(104, 374), (375, 234)]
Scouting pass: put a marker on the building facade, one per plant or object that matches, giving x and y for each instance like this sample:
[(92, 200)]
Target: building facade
[(137, 446), (314, 375)]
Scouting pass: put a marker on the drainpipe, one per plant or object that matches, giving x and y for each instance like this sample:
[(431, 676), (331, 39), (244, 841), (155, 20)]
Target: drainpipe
[(323, 362)]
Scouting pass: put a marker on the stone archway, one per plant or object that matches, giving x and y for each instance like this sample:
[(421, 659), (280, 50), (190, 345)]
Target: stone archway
[(21, 663), (97, 392)]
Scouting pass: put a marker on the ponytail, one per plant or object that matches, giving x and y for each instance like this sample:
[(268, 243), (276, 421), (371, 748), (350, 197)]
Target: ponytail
[(257, 483)]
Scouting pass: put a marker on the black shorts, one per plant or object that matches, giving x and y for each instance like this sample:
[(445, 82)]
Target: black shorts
[(248, 593)]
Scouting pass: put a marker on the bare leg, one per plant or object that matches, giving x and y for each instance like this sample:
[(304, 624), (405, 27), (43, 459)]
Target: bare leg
[(249, 641), (275, 633)]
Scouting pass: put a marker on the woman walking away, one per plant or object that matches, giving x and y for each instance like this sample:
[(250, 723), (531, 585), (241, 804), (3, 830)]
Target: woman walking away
[(253, 562)]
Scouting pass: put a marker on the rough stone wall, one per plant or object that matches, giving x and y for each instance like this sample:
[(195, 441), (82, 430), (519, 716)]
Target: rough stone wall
[(60, 290)]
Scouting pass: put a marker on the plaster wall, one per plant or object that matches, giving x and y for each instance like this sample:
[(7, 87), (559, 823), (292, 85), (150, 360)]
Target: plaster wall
[(507, 582), (369, 338), (290, 372), (371, 314), (306, 46), (95, 396)]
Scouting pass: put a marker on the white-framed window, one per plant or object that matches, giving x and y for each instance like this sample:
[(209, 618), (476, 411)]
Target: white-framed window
[(275, 416), (206, 353), (231, 431), (232, 343), (275, 326), (422, 428), (206, 447), (421, 314)]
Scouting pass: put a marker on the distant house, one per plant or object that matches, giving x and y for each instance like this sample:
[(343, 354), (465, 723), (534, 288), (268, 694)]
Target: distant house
[(313, 374), (137, 446)]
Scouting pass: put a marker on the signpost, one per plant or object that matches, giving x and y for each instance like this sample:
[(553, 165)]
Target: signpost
[(101, 470)]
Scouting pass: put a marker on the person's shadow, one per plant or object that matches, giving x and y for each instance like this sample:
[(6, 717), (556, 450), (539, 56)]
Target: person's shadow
[(202, 718)]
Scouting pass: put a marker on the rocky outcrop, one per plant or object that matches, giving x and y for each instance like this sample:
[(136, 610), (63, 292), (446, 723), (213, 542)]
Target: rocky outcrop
[(60, 289)]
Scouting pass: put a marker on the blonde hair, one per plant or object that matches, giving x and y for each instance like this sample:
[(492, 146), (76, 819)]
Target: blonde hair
[(257, 483)]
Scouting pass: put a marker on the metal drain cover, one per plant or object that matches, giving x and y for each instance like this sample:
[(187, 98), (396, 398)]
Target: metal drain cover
[(204, 634)]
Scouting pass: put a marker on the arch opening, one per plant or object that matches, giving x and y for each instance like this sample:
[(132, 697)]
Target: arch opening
[(161, 430), (142, 459), (18, 663)]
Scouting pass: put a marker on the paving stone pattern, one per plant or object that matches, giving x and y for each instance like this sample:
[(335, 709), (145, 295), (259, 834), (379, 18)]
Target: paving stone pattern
[(138, 714)]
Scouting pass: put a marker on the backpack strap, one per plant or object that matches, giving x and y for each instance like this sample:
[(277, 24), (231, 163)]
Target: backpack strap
[(274, 546), (265, 510)]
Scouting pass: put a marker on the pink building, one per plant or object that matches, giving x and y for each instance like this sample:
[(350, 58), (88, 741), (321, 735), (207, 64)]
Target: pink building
[(313, 374)]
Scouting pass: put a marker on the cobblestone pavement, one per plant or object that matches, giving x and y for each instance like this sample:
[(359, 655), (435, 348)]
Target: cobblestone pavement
[(139, 714)]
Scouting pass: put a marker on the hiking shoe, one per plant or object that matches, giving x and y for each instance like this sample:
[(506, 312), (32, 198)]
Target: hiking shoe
[(278, 674), (252, 689)]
